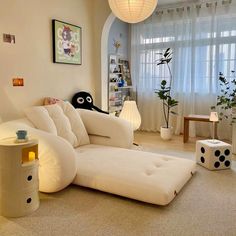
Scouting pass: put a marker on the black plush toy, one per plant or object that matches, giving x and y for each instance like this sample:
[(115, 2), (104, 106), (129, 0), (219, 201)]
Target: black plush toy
[(85, 101)]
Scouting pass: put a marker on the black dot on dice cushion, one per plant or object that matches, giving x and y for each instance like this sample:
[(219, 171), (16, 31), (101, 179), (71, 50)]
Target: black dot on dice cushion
[(202, 149), (227, 163), (217, 153), (222, 158), (227, 152), (217, 164), (202, 159)]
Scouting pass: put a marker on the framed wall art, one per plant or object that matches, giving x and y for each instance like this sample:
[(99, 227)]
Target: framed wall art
[(67, 43)]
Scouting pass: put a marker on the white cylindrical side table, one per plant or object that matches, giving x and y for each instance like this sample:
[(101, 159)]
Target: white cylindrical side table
[(18, 177)]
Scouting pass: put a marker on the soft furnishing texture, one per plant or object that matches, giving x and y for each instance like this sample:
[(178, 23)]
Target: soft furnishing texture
[(39, 116), (144, 176), (107, 129), (57, 166), (60, 119)]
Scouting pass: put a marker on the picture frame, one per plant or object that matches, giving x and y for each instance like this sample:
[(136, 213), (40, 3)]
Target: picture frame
[(67, 43)]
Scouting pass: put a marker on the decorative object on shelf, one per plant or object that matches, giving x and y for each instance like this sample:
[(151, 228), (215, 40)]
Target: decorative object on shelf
[(130, 113), (84, 100), (132, 11), (125, 72), (164, 93), (213, 155), (119, 83), (117, 45), (19, 175), (67, 45), (213, 118)]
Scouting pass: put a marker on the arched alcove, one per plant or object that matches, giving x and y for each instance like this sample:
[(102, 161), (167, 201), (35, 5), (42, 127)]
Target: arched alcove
[(104, 60)]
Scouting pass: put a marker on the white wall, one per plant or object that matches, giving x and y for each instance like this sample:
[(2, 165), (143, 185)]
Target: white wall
[(31, 56), (101, 12)]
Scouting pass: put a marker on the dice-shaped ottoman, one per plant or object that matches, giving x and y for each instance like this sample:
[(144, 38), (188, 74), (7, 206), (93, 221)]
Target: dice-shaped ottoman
[(213, 154)]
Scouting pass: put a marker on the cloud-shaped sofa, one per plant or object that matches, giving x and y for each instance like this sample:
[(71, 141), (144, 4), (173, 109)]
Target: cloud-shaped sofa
[(93, 150)]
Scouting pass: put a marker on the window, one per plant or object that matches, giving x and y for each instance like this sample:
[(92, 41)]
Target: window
[(201, 48)]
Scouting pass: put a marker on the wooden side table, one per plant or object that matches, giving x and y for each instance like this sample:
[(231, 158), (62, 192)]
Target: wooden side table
[(187, 119), (18, 177)]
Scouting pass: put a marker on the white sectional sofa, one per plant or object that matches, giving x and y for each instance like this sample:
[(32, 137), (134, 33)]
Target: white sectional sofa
[(96, 153)]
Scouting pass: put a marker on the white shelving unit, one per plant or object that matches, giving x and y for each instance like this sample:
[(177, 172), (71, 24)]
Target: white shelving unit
[(119, 85), (18, 177)]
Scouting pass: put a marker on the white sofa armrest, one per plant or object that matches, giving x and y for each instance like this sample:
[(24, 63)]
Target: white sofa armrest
[(106, 129), (57, 158)]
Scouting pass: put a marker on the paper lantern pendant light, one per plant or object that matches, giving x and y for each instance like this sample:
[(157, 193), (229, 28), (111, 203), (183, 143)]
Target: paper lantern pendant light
[(132, 11)]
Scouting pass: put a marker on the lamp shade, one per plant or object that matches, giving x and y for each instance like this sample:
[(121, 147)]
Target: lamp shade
[(130, 113), (132, 11), (214, 117)]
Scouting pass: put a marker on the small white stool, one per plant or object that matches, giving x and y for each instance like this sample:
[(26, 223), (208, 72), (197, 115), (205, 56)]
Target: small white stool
[(213, 154)]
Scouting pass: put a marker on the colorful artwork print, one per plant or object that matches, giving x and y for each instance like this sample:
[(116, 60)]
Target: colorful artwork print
[(66, 43)]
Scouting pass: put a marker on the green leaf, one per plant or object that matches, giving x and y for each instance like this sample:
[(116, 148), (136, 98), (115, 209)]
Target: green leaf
[(174, 113), (163, 82), (166, 53)]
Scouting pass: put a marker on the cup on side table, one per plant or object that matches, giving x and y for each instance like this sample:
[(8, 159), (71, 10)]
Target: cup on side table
[(21, 136)]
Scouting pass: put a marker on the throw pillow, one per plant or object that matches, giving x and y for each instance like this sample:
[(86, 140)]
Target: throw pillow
[(40, 118), (76, 122), (51, 100)]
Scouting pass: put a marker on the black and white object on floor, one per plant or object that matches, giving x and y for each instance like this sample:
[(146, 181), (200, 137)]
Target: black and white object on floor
[(213, 154)]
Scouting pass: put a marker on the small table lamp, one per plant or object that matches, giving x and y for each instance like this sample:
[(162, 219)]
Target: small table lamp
[(130, 113), (214, 118)]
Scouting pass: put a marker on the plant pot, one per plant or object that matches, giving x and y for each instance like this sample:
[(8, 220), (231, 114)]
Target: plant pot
[(166, 133)]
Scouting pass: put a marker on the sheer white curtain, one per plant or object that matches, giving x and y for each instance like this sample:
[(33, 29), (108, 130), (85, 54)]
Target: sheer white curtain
[(203, 40)]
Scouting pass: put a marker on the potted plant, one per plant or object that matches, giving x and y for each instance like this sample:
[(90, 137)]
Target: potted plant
[(226, 100), (164, 93)]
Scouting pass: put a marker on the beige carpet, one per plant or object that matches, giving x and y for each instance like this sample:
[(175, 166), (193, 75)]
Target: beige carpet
[(205, 206)]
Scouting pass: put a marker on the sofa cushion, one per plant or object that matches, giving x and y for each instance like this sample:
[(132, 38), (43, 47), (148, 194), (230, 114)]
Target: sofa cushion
[(61, 119), (62, 123), (144, 176), (40, 118), (76, 122)]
